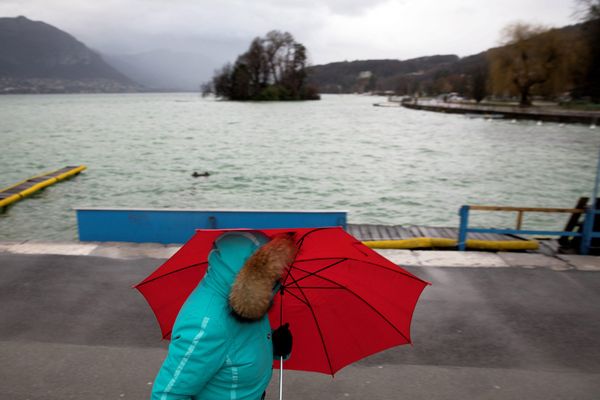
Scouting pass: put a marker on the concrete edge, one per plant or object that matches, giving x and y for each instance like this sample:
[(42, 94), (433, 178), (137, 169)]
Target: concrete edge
[(117, 250), (416, 258)]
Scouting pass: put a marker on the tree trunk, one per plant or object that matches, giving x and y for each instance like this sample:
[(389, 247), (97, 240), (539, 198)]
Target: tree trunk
[(524, 101)]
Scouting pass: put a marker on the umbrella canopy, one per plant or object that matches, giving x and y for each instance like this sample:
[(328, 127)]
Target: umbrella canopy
[(343, 301)]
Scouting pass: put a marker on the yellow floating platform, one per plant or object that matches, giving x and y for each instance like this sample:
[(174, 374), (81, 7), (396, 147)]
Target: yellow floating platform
[(473, 244), (25, 188)]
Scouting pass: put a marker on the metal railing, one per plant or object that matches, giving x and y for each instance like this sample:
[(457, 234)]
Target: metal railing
[(587, 233)]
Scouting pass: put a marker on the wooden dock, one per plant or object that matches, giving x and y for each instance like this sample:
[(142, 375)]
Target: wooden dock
[(422, 237), (368, 232), (25, 188)]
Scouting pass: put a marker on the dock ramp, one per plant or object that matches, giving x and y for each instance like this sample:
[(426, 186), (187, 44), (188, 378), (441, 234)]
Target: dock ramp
[(25, 188)]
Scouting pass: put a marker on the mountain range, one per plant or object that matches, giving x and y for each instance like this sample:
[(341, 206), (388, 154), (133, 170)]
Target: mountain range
[(36, 57), (368, 75)]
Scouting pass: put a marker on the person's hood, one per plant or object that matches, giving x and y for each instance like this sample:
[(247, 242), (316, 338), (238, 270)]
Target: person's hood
[(227, 257), (245, 266), (253, 289)]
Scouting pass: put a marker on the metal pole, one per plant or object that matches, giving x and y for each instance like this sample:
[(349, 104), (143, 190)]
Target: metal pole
[(281, 378), (281, 357), (519, 220), (590, 215), (462, 230), (588, 228), (596, 184)]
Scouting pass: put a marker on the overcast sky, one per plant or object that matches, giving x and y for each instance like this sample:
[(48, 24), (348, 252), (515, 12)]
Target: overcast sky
[(332, 30)]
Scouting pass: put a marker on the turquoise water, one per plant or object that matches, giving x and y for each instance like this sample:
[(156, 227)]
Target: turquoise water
[(382, 165)]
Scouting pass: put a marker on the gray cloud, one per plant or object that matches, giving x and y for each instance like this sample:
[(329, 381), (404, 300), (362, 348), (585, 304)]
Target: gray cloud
[(331, 29)]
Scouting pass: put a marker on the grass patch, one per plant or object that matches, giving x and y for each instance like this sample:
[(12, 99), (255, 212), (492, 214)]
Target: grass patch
[(581, 106)]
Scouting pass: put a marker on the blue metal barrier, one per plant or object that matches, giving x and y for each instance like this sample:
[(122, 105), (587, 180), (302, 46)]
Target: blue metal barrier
[(178, 226), (588, 230), (586, 235), (590, 215)]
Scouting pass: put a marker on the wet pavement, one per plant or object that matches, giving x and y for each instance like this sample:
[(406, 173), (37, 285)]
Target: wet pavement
[(73, 328)]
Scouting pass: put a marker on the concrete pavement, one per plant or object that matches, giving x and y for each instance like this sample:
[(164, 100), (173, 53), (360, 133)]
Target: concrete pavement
[(72, 328), (420, 258)]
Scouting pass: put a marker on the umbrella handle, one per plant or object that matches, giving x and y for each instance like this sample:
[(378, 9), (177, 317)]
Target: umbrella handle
[(280, 378)]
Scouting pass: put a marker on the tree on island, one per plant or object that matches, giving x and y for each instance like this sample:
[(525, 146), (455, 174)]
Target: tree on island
[(273, 68), (535, 57)]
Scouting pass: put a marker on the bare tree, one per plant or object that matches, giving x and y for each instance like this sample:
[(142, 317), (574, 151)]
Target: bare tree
[(532, 56), (277, 49), (222, 81), (588, 11), (478, 84), (206, 88), (257, 67)]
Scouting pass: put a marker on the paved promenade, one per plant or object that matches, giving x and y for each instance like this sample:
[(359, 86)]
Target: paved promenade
[(536, 113), (508, 326)]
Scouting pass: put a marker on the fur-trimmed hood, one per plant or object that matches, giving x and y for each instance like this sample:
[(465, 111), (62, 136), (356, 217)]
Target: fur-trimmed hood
[(252, 291)]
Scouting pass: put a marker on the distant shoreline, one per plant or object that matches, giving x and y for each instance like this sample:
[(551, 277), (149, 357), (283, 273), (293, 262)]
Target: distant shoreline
[(137, 91)]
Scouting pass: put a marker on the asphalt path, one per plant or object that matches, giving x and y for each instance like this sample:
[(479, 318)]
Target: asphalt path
[(73, 328)]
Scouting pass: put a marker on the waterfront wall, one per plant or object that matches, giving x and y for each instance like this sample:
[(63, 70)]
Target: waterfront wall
[(178, 226), (530, 113)]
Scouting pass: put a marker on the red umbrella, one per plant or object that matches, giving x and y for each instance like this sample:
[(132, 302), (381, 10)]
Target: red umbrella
[(343, 301)]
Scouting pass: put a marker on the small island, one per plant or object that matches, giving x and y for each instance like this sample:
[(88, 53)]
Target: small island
[(272, 69)]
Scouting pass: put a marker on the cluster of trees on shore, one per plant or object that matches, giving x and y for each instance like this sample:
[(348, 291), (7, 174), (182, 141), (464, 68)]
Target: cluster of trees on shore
[(273, 68), (533, 61)]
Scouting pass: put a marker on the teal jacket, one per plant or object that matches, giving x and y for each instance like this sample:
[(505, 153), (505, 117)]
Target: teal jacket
[(213, 355)]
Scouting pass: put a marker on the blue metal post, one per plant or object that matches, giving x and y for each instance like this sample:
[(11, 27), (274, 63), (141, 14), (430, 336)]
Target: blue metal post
[(596, 183), (590, 215), (588, 225), (462, 230)]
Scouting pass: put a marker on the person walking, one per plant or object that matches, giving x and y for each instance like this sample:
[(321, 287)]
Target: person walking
[(221, 344)]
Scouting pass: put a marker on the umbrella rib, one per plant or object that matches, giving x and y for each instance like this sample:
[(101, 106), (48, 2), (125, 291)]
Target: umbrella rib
[(298, 298), (364, 301), (395, 270), (299, 244), (300, 241), (172, 272), (311, 273), (314, 287), (318, 326)]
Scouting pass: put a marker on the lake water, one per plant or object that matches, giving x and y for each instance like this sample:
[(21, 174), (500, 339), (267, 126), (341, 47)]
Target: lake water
[(382, 165)]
